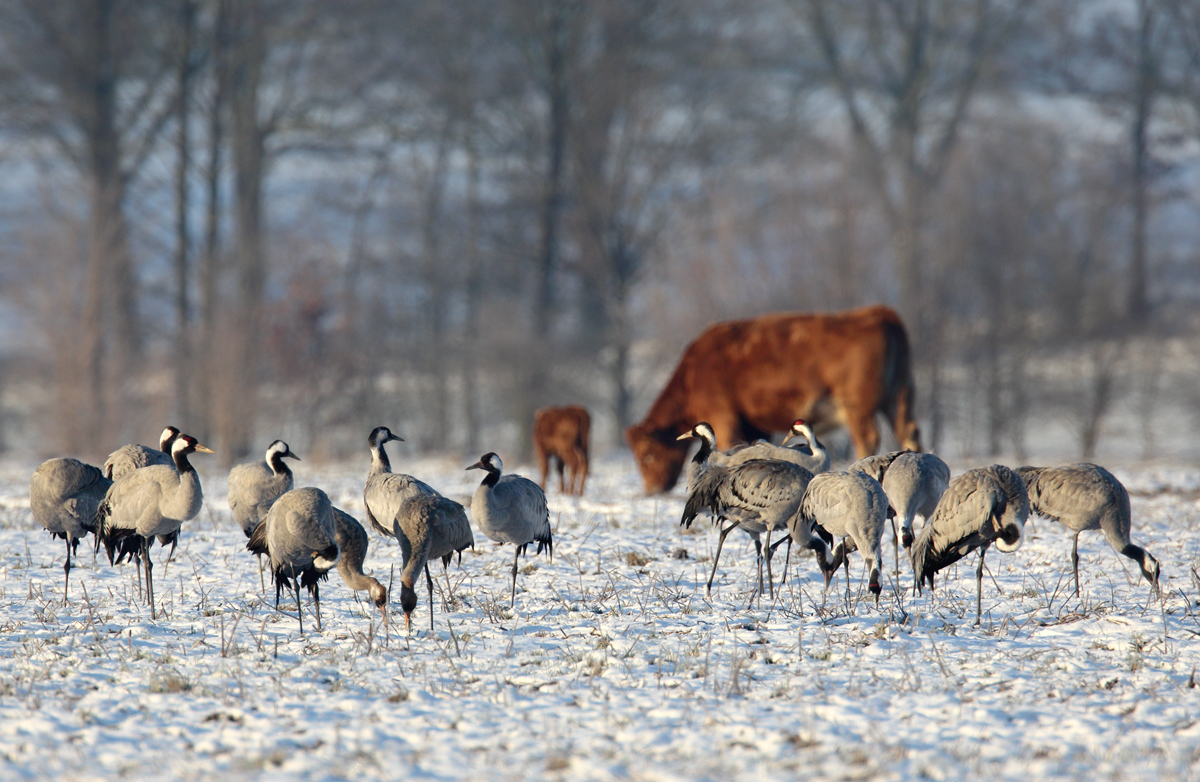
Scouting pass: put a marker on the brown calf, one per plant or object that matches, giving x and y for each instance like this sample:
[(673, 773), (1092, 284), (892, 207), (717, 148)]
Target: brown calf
[(749, 378), (561, 434)]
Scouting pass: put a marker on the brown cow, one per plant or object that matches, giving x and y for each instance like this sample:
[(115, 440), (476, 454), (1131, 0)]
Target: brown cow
[(749, 378), (560, 435)]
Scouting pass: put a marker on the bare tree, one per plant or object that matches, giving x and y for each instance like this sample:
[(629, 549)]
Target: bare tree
[(248, 50), (626, 148), (1146, 85), (209, 261), (76, 61), (906, 73)]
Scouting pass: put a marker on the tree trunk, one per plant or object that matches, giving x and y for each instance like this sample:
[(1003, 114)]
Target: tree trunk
[(109, 329), (1138, 305), (474, 282), (435, 432), (208, 380), (184, 371), (246, 141), (535, 374)]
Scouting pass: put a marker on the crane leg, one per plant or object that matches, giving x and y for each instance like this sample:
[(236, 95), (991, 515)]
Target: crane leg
[(770, 576), (979, 587), (1075, 562), (758, 564), (299, 613), (149, 576), (137, 560), (67, 571), (846, 567), (771, 553), (717, 557), (429, 584), (316, 592), (512, 600), (896, 544)]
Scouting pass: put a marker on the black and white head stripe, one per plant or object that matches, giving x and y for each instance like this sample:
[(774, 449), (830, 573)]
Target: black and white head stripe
[(380, 435), (282, 449), (167, 438)]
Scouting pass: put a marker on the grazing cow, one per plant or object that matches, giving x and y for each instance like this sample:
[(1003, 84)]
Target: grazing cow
[(749, 378), (560, 437)]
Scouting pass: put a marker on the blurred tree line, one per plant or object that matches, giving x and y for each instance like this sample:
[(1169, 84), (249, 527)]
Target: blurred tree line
[(304, 218)]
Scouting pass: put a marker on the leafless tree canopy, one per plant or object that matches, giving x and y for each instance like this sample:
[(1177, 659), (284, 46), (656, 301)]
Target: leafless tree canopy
[(302, 219)]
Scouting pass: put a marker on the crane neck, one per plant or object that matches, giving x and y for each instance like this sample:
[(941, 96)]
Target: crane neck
[(379, 460), (492, 477), (353, 575), (277, 465), (182, 465)]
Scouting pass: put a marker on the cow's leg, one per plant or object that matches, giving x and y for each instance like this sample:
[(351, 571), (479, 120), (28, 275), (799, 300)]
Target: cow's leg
[(542, 459), (864, 433), (900, 413), (572, 469), (581, 469)]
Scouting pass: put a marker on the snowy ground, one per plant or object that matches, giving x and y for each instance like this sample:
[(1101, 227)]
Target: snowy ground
[(614, 664)]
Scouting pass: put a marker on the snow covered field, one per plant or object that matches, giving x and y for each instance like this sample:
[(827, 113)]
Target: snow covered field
[(614, 664)]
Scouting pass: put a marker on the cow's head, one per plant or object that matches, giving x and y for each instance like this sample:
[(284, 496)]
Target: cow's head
[(659, 456)]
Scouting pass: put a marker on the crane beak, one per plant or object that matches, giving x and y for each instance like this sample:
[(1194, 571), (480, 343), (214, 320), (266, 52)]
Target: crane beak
[(291, 455), (407, 623), (477, 466), (685, 435), (203, 449), (790, 436)]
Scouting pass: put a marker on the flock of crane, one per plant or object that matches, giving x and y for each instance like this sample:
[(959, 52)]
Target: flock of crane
[(764, 488), (141, 495)]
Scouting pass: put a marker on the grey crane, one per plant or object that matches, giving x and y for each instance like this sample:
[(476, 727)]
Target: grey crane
[(511, 509), (1086, 496), (299, 537), (848, 505), (429, 527), (64, 495), (254, 486), (981, 506), (913, 483), (352, 543), (150, 501), (757, 495), (131, 457), (386, 493)]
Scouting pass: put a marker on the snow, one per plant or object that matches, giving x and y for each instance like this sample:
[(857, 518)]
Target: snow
[(614, 663)]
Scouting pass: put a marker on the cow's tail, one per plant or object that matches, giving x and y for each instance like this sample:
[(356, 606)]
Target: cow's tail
[(899, 396)]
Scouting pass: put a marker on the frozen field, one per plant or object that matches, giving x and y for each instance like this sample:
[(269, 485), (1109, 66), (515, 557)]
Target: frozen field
[(614, 664)]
